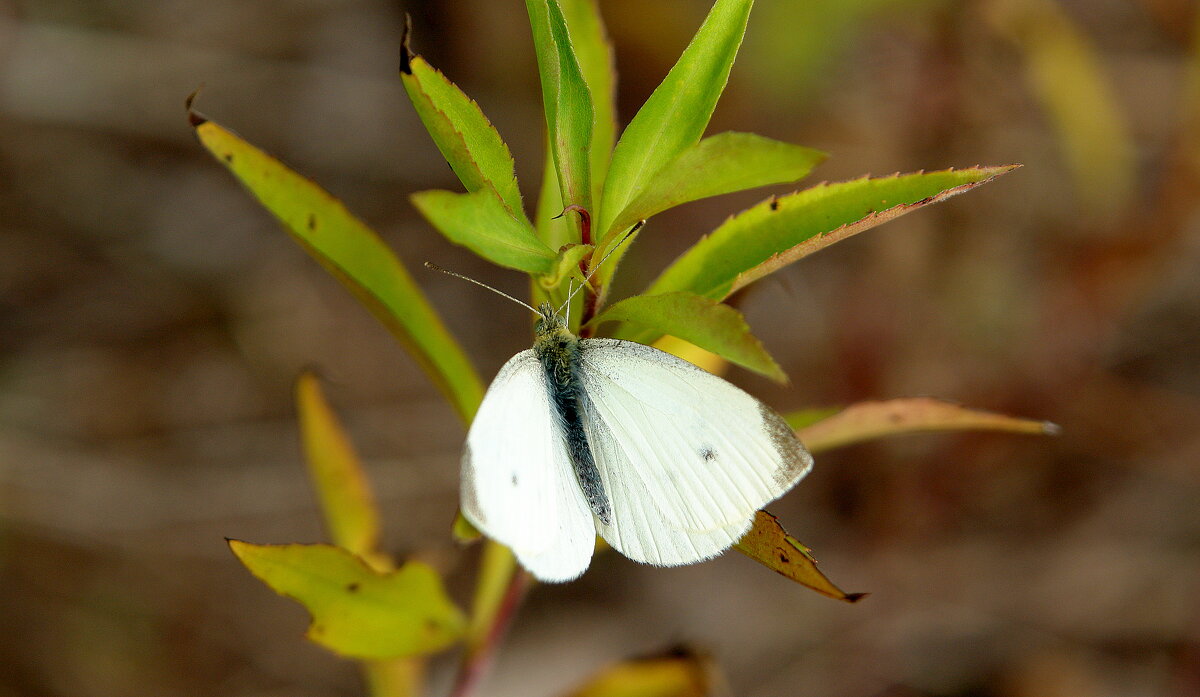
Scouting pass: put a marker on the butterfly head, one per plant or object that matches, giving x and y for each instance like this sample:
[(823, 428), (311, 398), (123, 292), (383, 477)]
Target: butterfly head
[(549, 321)]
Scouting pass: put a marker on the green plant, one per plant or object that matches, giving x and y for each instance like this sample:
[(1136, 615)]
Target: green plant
[(593, 193)]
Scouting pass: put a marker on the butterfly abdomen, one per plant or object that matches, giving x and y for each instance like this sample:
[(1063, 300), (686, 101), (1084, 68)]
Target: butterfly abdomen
[(558, 351)]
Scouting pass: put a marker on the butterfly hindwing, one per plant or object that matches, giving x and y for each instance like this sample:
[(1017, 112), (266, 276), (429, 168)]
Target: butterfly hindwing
[(680, 449), (518, 486), (637, 528)]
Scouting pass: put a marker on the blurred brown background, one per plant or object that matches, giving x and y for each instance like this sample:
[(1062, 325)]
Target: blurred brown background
[(152, 319)]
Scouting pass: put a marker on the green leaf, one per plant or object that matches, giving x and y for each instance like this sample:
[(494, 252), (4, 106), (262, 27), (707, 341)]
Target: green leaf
[(566, 265), (709, 324), (595, 54), (557, 232), (356, 611), (781, 230), (346, 499), (553, 228), (480, 222), (355, 255), (471, 145), (871, 420), (567, 101), (720, 164), (769, 544), (676, 673), (674, 117)]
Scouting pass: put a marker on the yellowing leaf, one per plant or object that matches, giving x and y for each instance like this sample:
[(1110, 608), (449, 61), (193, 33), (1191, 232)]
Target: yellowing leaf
[(870, 420), (692, 354), (337, 473), (356, 611), (678, 673), (355, 255), (769, 544)]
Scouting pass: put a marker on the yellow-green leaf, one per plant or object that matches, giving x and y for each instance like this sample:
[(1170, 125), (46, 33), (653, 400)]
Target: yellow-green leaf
[(720, 164), (567, 101), (709, 324), (782, 230), (595, 54), (355, 255), (566, 265), (337, 473), (480, 222), (769, 544), (356, 611), (672, 120), (676, 114), (465, 137), (871, 420), (676, 673)]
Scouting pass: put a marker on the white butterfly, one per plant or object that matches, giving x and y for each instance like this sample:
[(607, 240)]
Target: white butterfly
[(578, 437)]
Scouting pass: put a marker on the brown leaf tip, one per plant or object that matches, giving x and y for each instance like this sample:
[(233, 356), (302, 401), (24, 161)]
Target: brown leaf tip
[(406, 54), (195, 118), (855, 597)]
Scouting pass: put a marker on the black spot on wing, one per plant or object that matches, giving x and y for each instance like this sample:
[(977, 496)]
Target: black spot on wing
[(707, 453)]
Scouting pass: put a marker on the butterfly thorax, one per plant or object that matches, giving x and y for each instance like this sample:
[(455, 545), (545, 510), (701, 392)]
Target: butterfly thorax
[(558, 350)]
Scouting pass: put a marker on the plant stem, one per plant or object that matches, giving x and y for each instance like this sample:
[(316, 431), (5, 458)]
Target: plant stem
[(397, 677), (478, 657)]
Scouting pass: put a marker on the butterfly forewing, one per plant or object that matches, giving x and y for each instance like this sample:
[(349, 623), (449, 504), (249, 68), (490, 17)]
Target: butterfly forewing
[(701, 452), (518, 486)]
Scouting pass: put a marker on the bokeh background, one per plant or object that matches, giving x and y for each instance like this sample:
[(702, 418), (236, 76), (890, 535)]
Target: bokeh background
[(153, 319)]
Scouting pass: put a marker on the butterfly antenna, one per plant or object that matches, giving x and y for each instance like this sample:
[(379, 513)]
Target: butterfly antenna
[(435, 267), (609, 253)]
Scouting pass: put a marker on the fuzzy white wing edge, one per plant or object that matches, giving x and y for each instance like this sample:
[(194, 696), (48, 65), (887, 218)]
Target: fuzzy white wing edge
[(518, 486)]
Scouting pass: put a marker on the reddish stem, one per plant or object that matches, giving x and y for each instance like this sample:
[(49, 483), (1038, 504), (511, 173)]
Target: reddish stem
[(585, 222), (477, 661)]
